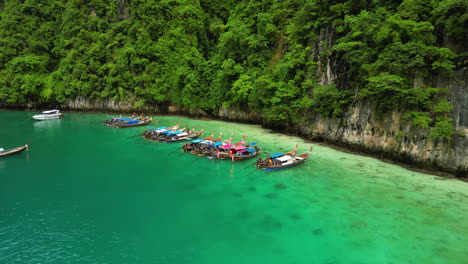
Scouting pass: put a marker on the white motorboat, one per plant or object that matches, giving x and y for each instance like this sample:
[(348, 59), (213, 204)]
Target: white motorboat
[(49, 115)]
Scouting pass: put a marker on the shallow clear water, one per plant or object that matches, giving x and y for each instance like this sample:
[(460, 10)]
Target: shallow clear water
[(85, 193)]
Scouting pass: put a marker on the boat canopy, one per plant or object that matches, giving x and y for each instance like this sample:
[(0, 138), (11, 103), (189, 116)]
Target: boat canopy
[(124, 119), (158, 128), (276, 155), (226, 146), (174, 132), (240, 147), (132, 122), (216, 144), (206, 142), (250, 150), (196, 141), (284, 158), (48, 112), (253, 144)]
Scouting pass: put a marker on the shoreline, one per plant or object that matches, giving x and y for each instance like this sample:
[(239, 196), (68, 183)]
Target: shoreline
[(340, 147)]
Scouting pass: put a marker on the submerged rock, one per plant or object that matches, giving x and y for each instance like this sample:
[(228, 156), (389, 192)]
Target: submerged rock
[(280, 186)]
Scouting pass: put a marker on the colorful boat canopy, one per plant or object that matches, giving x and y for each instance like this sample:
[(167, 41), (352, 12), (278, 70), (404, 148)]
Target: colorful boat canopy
[(216, 144), (132, 122), (175, 132), (158, 128), (197, 141), (227, 146), (250, 150), (276, 155), (240, 147), (124, 119), (253, 144)]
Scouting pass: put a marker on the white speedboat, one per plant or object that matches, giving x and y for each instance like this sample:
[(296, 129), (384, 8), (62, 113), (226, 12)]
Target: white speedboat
[(49, 115)]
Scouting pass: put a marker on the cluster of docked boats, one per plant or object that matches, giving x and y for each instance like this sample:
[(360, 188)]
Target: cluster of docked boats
[(122, 122), (216, 148)]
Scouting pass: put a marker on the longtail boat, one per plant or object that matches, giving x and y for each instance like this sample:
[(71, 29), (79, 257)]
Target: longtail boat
[(237, 152), (192, 147), (184, 136), (13, 151), (134, 123), (243, 153), (157, 134), (283, 161)]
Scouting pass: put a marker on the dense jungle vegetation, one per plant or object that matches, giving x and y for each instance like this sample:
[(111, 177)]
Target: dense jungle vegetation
[(283, 59)]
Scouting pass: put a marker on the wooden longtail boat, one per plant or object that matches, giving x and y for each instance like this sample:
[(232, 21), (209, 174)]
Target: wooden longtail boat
[(13, 151), (278, 162), (134, 123), (246, 153), (193, 147), (236, 153), (185, 136), (156, 134)]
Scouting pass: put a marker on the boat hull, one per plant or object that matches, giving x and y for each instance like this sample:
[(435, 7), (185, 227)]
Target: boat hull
[(133, 125), (48, 117), (13, 151), (296, 162)]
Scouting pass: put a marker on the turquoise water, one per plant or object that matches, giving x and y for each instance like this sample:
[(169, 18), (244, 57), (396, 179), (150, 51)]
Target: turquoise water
[(85, 193)]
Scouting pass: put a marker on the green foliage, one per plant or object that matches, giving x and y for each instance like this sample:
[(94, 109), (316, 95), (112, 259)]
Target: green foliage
[(281, 59), (328, 100)]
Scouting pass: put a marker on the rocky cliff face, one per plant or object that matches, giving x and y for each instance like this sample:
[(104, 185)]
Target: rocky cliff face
[(390, 137), (84, 104)]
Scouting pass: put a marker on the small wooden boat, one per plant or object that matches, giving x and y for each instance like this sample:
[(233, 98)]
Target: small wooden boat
[(183, 136), (49, 115), (133, 123), (13, 151), (283, 161), (116, 119), (237, 152), (243, 153)]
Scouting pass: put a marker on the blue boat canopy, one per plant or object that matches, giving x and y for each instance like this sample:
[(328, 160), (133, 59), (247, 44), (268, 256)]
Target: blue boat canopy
[(250, 150), (218, 143), (253, 144), (132, 122), (276, 155), (175, 132), (197, 141), (166, 131), (124, 119), (158, 128)]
